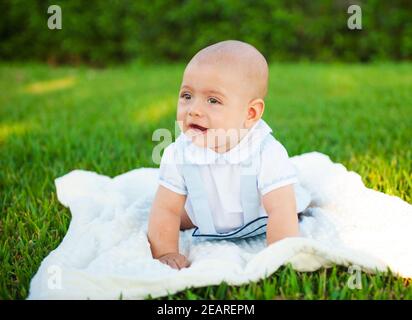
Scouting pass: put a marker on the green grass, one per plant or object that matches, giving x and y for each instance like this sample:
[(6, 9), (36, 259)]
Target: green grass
[(55, 120), (287, 283)]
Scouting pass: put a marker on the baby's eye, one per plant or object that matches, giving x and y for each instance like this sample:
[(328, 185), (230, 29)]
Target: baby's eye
[(186, 96), (213, 101)]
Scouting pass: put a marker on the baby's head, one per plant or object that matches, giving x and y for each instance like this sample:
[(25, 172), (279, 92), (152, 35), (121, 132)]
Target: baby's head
[(222, 94)]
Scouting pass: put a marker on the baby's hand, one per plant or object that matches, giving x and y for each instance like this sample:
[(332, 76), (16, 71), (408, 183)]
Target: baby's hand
[(174, 260)]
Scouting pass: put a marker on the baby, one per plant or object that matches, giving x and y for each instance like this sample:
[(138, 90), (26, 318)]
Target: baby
[(225, 175)]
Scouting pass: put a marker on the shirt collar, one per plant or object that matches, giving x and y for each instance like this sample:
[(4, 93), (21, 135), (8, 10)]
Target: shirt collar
[(194, 154)]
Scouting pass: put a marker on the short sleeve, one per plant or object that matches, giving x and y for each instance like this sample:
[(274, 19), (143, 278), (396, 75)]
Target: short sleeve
[(276, 169), (169, 174)]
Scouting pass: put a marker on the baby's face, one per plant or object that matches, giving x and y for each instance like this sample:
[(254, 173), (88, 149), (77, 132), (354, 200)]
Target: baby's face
[(212, 106)]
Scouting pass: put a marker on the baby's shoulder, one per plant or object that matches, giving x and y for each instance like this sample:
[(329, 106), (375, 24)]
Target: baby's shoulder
[(271, 146)]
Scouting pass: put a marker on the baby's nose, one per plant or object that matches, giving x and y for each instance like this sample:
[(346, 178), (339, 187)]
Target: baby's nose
[(195, 110)]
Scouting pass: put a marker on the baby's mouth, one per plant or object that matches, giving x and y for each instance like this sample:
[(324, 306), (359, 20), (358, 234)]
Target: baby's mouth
[(195, 129)]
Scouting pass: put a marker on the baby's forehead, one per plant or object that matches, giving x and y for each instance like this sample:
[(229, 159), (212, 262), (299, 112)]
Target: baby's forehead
[(236, 58), (214, 76), (227, 77), (242, 60)]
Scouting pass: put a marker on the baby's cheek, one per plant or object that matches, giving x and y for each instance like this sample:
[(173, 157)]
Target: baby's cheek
[(180, 114)]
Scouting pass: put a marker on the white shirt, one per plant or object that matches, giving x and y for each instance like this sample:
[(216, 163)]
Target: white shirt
[(220, 173)]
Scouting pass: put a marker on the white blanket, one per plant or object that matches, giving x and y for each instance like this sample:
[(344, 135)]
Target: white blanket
[(105, 253)]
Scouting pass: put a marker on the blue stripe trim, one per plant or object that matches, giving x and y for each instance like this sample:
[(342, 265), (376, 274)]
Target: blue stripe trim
[(247, 234), (230, 234)]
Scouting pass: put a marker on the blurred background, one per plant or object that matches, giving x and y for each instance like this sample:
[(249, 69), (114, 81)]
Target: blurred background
[(90, 96), (105, 32)]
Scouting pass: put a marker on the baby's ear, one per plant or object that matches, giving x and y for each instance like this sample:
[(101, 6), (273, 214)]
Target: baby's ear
[(255, 111)]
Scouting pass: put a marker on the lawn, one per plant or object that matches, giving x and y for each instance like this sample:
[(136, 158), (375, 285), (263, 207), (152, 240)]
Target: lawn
[(55, 120)]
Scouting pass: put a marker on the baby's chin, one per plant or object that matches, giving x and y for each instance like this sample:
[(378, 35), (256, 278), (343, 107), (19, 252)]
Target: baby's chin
[(209, 141), (200, 140)]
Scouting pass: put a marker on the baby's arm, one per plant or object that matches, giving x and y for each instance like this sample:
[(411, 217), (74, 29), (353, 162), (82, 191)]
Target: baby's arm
[(280, 205), (164, 226)]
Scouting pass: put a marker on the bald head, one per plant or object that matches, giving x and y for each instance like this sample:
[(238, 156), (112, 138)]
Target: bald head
[(242, 58)]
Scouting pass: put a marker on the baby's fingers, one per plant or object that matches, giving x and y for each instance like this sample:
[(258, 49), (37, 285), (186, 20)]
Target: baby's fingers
[(175, 261), (182, 262), (169, 261), (172, 263)]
